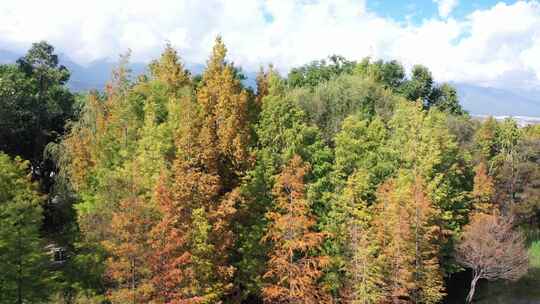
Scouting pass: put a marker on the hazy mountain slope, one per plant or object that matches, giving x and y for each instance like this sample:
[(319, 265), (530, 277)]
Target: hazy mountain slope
[(492, 101), (96, 74), (8, 57)]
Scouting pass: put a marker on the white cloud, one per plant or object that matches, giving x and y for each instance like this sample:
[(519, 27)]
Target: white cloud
[(498, 46), (446, 7)]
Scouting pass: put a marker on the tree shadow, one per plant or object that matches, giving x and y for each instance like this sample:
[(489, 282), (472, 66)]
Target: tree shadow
[(524, 291)]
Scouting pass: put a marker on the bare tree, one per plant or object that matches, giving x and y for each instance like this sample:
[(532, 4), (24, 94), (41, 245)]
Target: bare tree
[(492, 249)]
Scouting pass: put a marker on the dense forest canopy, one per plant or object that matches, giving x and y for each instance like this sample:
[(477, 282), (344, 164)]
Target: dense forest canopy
[(341, 182)]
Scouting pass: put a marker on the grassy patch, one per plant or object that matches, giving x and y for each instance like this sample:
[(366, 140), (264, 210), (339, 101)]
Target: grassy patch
[(534, 254)]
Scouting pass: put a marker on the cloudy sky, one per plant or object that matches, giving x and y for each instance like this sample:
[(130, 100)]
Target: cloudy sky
[(485, 42)]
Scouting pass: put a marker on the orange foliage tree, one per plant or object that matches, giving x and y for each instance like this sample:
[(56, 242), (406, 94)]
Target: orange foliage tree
[(170, 256), (408, 235), (293, 268), (483, 190), (128, 246), (194, 238)]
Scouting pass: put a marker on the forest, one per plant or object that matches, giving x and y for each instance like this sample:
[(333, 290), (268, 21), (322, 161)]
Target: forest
[(339, 182)]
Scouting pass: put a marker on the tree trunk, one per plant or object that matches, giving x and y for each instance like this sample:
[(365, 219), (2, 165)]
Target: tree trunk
[(473, 288), (19, 266)]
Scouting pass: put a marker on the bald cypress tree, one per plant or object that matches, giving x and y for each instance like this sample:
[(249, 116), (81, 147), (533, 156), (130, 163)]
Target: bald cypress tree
[(23, 262), (483, 190), (195, 236), (293, 268), (129, 249), (224, 107), (172, 275), (407, 234), (170, 70), (224, 139), (364, 276)]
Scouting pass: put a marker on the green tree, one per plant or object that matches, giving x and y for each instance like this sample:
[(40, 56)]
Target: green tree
[(23, 262), (35, 105), (446, 99), (423, 143), (509, 137), (391, 73), (485, 141), (328, 104), (319, 71), (363, 145), (364, 275), (421, 87)]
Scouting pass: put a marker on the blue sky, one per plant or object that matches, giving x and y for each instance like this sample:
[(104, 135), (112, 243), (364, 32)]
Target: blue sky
[(485, 42), (416, 11)]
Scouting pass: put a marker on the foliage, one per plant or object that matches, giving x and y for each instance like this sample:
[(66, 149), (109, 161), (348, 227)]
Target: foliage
[(345, 182), (23, 261), (391, 74), (407, 233), (319, 71), (35, 105), (293, 271), (534, 255)]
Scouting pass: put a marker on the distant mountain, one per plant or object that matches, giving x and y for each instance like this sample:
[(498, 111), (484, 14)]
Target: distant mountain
[(498, 102), (8, 57), (83, 78), (94, 75), (521, 120)]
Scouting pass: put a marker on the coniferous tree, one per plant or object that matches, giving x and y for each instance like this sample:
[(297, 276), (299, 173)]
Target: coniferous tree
[(486, 142), (483, 191), (129, 249), (293, 270), (170, 255), (184, 261), (428, 280), (214, 146), (423, 144), (364, 272), (169, 70), (23, 262), (224, 107), (408, 236), (394, 235), (198, 190)]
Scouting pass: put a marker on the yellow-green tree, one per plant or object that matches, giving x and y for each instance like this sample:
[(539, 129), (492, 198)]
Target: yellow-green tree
[(363, 268), (224, 131), (422, 144), (169, 70)]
